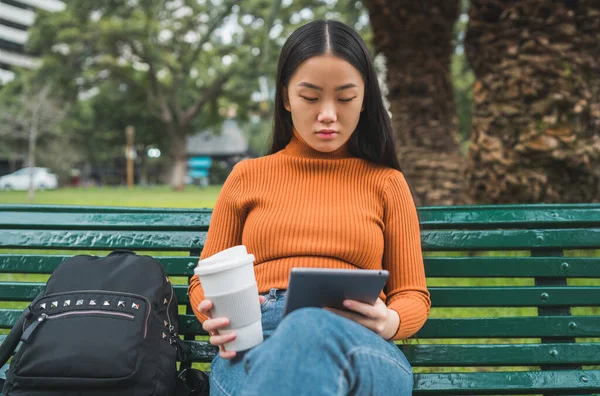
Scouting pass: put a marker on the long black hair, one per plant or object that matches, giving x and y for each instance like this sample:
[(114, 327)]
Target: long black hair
[(373, 139)]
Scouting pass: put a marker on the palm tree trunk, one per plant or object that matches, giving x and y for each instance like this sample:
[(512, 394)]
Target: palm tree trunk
[(416, 39), (536, 117)]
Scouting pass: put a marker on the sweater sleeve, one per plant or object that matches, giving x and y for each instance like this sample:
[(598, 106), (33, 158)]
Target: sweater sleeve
[(225, 231), (406, 290)]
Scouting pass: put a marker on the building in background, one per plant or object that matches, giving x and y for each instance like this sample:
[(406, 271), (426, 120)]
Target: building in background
[(16, 17), (212, 155)]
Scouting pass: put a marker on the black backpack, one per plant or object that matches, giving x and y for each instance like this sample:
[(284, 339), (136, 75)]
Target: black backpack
[(103, 325)]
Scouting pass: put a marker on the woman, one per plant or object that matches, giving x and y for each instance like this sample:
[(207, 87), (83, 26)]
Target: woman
[(329, 195)]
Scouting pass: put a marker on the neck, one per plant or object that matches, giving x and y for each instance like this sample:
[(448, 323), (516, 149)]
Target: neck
[(297, 147)]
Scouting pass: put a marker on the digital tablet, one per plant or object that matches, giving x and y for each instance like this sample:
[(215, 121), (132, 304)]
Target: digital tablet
[(320, 287)]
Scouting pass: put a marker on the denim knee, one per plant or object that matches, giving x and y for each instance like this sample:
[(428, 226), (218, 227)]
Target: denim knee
[(306, 322)]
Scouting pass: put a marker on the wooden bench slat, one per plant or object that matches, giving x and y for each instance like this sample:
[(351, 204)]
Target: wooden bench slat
[(511, 267), (435, 355), (517, 296), (478, 216), (46, 264), (508, 327), (583, 296), (451, 267), (186, 221), (510, 216), (512, 327), (102, 240), (507, 383), (452, 240), (502, 355)]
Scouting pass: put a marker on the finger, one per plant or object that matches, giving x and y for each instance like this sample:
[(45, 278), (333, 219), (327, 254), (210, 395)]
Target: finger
[(218, 340), (227, 354), (261, 299), (215, 324), (358, 318), (362, 308), (205, 306)]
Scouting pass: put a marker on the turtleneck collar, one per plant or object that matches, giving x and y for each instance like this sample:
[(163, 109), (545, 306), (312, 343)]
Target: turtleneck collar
[(297, 147)]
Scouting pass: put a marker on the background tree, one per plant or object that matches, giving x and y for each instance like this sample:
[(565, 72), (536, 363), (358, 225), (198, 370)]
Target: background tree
[(417, 41), (536, 125), (30, 115), (185, 55)]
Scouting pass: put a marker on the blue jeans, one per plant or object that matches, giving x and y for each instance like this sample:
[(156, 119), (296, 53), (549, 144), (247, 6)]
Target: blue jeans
[(313, 352)]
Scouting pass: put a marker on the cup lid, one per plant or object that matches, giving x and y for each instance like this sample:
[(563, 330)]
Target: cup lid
[(224, 260)]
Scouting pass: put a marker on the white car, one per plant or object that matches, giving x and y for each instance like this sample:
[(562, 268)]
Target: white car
[(43, 179)]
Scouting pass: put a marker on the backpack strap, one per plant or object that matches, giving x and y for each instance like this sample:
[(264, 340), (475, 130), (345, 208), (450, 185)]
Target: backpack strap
[(12, 339)]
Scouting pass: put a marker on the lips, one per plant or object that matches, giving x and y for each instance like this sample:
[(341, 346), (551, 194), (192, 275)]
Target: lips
[(326, 134)]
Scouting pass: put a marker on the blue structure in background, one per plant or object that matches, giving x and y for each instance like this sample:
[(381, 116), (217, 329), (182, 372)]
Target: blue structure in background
[(199, 167)]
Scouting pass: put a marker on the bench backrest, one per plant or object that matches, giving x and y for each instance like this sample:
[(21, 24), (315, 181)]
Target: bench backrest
[(513, 287)]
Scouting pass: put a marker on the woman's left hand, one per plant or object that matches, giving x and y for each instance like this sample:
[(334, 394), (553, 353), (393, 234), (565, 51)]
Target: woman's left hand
[(378, 317)]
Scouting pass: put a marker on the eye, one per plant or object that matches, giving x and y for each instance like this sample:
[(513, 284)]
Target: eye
[(347, 100), (309, 99)]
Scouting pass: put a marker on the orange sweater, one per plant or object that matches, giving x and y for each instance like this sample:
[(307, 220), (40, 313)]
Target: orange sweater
[(303, 208)]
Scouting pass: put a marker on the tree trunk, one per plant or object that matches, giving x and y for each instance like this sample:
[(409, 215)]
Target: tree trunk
[(536, 117), (31, 155), (178, 137), (416, 39)]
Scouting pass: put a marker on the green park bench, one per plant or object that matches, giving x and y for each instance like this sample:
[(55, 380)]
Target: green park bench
[(515, 289)]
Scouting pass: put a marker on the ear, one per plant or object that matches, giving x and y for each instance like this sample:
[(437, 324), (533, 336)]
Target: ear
[(286, 99)]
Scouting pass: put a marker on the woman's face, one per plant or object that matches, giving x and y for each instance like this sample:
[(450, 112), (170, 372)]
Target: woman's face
[(325, 96)]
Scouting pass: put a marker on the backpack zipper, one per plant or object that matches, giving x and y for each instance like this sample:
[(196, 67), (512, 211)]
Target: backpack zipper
[(90, 312), (171, 327), (43, 317), (148, 311)]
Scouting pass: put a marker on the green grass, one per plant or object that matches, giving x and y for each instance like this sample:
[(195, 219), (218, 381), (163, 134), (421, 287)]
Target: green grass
[(161, 197)]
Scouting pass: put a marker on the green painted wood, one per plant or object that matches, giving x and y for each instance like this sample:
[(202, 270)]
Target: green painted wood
[(588, 238), (513, 216), (440, 296), (20, 291), (102, 240), (512, 327), (517, 296), (445, 267), (178, 240), (502, 355), (46, 264), (439, 355), (508, 383), (185, 221), (512, 267), (509, 327), (479, 216)]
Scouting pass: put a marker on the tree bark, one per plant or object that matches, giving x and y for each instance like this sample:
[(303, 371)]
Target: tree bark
[(536, 116), (178, 137), (416, 39)]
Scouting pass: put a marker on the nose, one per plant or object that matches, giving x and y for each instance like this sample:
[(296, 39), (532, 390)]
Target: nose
[(327, 114)]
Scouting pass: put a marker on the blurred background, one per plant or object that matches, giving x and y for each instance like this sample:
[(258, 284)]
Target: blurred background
[(152, 102)]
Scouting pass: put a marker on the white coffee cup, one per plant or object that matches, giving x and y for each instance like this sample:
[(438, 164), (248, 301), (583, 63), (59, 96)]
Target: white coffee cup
[(228, 280)]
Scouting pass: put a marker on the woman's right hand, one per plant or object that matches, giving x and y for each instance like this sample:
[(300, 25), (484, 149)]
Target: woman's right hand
[(213, 325)]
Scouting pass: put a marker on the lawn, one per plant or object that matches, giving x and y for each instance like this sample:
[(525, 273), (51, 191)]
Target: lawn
[(161, 196)]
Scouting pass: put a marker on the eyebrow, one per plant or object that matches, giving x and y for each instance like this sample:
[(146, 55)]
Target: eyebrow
[(341, 88)]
